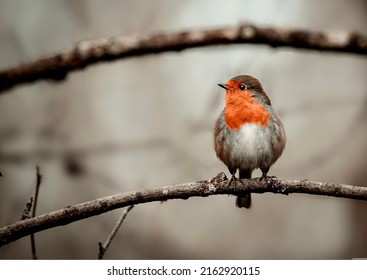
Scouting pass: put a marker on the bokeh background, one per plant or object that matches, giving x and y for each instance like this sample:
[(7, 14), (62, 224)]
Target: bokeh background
[(145, 122)]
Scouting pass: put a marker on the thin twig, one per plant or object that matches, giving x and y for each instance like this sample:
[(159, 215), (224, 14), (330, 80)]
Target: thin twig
[(103, 248), (215, 186), (90, 52), (38, 183)]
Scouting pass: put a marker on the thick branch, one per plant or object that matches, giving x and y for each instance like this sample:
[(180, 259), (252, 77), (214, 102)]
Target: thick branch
[(215, 186), (90, 52)]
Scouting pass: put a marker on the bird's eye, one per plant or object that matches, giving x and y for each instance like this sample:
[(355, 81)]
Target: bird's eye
[(242, 87)]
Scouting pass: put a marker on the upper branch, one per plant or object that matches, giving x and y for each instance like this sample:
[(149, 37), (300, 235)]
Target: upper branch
[(214, 186), (87, 53)]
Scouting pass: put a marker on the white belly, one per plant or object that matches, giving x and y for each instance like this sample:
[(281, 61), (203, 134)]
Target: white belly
[(250, 147)]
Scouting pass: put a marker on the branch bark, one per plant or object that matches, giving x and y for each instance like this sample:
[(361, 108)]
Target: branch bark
[(215, 186), (87, 53)]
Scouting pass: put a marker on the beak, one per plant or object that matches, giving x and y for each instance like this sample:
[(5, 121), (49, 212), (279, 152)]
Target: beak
[(224, 86)]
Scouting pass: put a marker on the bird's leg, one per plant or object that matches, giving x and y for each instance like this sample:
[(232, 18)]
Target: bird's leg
[(233, 178), (264, 175)]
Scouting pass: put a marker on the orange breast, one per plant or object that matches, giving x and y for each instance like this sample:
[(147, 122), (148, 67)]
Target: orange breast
[(242, 108)]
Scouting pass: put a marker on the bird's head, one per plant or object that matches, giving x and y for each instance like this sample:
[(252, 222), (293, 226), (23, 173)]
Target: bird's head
[(245, 87)]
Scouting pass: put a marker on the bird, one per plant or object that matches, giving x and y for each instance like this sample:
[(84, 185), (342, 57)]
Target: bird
[(248, 133)]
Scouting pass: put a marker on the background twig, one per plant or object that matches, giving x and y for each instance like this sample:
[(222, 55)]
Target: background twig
[(103, 248), (87, 53), (214, 186), (38, 183)]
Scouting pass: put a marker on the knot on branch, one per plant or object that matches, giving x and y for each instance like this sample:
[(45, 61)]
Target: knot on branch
[(211, 186)]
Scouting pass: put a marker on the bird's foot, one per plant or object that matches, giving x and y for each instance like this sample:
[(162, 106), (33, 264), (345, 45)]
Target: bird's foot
[(234, 180), (266, 177), (269, 179)]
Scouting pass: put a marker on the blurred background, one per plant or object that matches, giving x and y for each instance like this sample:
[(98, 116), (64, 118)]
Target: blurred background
[(146, 122)]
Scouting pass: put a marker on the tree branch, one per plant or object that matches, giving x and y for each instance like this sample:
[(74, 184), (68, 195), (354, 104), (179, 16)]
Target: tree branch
[(214, 186), (87, 53)]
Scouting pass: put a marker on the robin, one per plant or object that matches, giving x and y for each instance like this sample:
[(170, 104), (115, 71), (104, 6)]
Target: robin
[(248, 133)]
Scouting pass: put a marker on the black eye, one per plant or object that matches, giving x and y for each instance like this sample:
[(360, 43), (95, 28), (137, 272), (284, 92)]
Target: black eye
[(242, 87)]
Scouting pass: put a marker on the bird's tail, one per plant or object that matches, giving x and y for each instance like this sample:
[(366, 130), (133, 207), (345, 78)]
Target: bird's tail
[(244, 201)]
